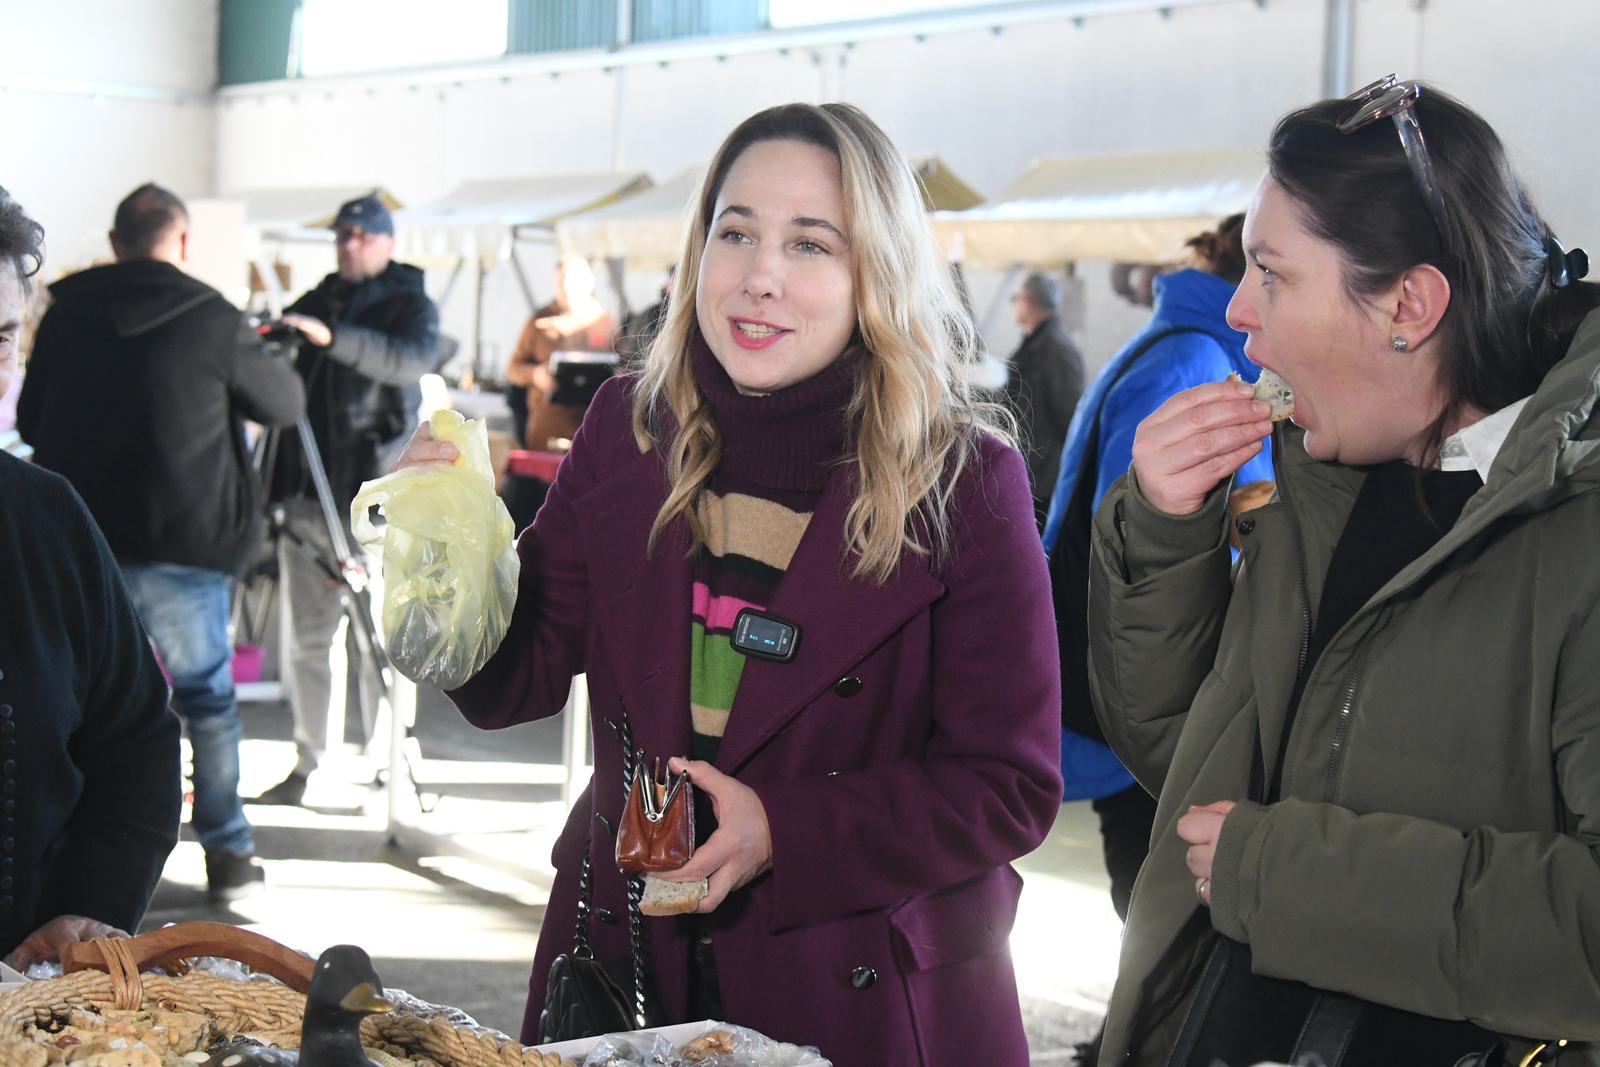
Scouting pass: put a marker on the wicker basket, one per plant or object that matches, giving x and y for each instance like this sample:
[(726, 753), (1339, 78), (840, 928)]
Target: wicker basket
[(257, 1008)]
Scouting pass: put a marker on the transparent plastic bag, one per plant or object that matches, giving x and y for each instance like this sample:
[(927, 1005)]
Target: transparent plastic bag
[(450, 563)]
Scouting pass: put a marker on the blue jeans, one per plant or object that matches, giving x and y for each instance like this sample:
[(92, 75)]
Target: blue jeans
[(185, 611)]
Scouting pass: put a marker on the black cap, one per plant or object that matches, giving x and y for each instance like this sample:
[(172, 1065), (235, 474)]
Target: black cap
[(367, 212)]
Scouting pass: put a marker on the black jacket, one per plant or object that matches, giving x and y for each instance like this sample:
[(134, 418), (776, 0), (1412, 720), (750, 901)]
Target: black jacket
[(1043, 390), (88, 745), (362, 391), (136, 391)]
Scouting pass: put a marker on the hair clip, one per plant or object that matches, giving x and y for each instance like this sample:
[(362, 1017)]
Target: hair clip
[(1565, 267)]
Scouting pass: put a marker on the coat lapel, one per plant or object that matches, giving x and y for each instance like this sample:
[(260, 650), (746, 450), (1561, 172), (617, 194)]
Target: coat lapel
[(641, 603), (841, 619)]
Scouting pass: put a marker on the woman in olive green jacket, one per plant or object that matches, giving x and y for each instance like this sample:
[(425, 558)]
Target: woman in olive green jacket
[(1377, 743)]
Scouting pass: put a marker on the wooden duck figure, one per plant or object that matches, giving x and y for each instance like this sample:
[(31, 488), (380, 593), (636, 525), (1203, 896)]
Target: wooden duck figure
[(344, 990)]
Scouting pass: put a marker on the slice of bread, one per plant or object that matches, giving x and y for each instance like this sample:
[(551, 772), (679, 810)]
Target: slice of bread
[(671, 898), (1275, 391)]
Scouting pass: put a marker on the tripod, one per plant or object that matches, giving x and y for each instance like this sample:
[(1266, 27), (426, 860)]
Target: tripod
[(334, 559)]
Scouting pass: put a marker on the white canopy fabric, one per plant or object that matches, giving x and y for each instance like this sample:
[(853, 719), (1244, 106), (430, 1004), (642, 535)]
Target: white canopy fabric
[(646, 230), (479, 219), (1126, 206), (942, 188), (296, 213)]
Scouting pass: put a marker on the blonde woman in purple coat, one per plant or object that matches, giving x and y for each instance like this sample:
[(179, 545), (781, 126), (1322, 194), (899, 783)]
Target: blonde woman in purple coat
[(802, 443)]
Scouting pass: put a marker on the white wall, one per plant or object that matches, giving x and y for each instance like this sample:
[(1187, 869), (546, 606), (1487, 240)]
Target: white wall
[(1212, 76), (74, 144)]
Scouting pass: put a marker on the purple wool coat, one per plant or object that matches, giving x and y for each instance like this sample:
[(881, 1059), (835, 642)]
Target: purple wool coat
[(896, 804)]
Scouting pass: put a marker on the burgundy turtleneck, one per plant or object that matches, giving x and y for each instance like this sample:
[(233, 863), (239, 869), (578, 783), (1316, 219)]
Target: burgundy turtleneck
[(787, 440)]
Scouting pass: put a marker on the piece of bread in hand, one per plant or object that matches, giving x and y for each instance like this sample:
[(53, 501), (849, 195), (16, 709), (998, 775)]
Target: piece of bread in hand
[(662, 897), (1275, 391)]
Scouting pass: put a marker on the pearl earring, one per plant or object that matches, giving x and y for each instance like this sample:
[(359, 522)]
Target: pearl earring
[(1399, 344)]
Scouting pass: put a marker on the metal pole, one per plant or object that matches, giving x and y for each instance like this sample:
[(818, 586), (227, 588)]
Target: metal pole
[(624, 22), (522, 277), (575, 742), (477, 325), (1338, 48)]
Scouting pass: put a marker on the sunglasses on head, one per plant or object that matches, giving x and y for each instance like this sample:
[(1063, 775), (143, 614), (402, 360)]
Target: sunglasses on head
[(1391, 98)]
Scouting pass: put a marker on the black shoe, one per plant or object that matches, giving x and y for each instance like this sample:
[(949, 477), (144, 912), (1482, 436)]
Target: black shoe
[(231, 874), (289, 792), (1087, 1053)]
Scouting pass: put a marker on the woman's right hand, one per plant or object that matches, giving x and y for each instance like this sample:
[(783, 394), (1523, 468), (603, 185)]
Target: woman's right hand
[(423, 448), (1195, 440)]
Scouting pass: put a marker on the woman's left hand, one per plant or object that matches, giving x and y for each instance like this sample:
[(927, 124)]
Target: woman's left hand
[(1201, 827), (740, 850)]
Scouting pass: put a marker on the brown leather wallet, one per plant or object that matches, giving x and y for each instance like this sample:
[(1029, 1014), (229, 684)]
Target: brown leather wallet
[(657, 829)]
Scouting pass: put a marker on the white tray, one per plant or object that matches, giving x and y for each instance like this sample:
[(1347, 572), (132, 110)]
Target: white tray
[(677, 1034)]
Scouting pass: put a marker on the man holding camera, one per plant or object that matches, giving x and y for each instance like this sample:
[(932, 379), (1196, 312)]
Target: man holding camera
[(136, 392), (368, 332)]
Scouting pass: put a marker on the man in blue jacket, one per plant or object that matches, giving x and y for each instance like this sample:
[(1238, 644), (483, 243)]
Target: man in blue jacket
[(1187, 342)]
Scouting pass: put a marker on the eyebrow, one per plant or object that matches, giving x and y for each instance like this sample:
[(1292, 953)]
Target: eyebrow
[(803, 221), (7, 327), (1258, 250)]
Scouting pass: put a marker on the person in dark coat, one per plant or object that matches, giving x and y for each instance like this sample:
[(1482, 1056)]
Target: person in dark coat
[(368, 335), (137, 390), (1045, 384), (89, 779), (804, 443)]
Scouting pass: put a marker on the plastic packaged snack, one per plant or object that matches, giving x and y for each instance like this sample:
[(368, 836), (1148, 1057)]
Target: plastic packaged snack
[(450, 563)]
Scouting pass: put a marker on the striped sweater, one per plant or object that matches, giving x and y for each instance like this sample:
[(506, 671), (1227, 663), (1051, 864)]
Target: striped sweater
[(777, 451)]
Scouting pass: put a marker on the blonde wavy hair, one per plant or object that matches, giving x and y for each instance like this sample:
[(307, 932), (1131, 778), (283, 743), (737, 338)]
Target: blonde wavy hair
[(916, 420)]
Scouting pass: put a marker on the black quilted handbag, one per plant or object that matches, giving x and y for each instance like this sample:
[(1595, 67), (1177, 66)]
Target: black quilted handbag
[(582, 998), (585, 997)]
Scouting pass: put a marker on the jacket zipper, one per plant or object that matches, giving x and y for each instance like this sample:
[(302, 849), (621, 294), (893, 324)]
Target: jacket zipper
[(1301, 585), (1341, 727)]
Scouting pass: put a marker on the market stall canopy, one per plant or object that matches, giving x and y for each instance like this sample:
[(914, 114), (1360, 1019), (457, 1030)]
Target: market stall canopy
[(479, 219), (299, 214), (1138, 206), (645, 230), (942, 189)]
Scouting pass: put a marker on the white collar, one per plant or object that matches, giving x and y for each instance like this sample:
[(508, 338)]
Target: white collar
[(1474, 447)]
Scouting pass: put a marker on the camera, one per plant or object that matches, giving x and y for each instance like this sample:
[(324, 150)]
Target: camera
[(276, 331)]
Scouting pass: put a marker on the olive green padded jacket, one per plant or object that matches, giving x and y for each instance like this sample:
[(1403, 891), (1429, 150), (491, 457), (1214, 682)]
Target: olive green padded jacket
[(1437, 847)]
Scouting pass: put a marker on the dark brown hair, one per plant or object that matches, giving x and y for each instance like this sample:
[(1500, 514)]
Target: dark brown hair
[(144, 217), (1221, 251), (21, 240), (1506, 324)]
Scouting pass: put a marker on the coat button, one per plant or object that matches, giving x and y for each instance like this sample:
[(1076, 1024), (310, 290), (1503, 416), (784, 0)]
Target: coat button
[(1246, 525), (847, 687), (5, 711), (605, 915), (863, 977)]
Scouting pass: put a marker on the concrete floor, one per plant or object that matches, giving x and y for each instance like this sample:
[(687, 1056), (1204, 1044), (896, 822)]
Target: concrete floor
[(454, 931)]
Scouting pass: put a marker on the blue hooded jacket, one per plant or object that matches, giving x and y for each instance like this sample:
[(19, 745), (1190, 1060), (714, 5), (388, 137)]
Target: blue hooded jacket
[(1185, 298)]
